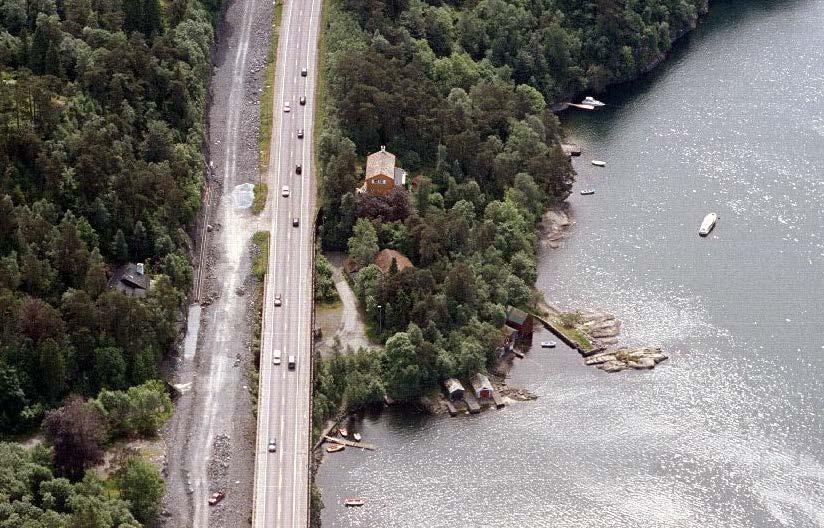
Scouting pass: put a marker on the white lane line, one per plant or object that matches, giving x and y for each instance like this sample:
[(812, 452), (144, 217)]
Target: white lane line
[(305, 252), (272, 258)]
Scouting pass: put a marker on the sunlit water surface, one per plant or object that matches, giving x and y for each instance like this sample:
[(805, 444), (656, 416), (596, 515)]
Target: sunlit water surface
[(729, 432)]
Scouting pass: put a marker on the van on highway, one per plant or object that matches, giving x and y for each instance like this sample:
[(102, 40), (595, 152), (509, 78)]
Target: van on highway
[(291, 362), (276, 357)]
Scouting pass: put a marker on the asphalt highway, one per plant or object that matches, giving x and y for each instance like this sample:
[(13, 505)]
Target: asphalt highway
[(282, 477)]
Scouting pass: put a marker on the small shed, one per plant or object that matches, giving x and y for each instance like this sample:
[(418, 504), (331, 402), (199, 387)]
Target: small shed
[(454, 389), (481, 385)]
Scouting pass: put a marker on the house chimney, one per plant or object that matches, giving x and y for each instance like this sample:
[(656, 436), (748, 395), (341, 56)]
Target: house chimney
[(140, 269)]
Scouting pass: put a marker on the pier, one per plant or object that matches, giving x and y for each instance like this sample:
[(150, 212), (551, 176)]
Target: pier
[(349, 443)]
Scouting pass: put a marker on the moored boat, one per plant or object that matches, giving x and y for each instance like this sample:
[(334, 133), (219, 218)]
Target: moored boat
[(548, 344), (334, 448), (587, 191), (354, 502), (589, 100), (343, 432), (357, 437), (599, 163), (707, 224)]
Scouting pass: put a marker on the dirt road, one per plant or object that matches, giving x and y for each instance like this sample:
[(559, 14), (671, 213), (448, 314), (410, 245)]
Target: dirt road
[(211, 436)]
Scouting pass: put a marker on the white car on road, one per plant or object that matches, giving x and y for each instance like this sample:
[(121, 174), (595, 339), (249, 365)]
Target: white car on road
[(287, 107), (276, 357), (285, 191)]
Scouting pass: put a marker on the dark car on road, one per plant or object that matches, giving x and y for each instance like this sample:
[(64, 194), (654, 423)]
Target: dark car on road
[(298, 169), (304, 72)]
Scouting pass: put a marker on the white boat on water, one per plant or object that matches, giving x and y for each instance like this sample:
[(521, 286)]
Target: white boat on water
[(591, 101), (707, 224), (599, 163), (357, 437), (587, 192), (355, 501)]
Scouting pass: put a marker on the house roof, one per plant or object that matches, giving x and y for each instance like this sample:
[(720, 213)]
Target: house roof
[(453, 385), (380, 163), (128, 279), (480, 381), (515, 315), (508, 330), (383, 260)]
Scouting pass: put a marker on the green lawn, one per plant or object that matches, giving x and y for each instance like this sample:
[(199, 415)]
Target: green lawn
[(267, 98)]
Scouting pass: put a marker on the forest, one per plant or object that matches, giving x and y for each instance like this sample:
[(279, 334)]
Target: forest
[(102, 108), (101, 136), (461, 92)]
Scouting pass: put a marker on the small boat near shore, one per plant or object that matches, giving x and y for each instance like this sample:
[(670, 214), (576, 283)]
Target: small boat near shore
[(587, 192), (707, 224), (357, 437), (548, 344), (599, 163), (591, 101), (582, 106), (334, 448), (343, 432), (354, 502)]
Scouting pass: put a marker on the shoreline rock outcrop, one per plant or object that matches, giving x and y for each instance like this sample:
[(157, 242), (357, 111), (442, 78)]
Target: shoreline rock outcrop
[(640, 358)]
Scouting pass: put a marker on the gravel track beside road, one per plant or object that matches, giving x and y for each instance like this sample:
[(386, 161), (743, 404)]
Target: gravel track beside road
[(211, 436)]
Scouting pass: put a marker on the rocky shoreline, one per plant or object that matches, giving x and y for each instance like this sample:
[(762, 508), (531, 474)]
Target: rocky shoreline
[(595, 334)]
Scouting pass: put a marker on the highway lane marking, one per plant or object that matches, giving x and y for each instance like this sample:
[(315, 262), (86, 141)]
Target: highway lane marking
[(304, 252), (284, 372), (272, 258)]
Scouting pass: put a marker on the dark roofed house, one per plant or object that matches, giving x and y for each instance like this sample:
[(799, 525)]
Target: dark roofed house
[(384, 258), (520, 321), (130, 279)]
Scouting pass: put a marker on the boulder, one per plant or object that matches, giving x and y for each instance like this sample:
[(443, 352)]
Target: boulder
[(612, 366), (643, 363)]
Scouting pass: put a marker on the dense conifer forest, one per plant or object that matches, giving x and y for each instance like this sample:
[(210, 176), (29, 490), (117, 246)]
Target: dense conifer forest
[(101, 132)]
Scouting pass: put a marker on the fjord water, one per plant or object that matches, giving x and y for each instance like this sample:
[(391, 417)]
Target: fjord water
[(730, 431)]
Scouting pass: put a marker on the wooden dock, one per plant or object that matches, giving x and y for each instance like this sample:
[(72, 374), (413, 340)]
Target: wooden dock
[(499, 402), (349, 443), (560, 335), (472, 403), (330, 424)]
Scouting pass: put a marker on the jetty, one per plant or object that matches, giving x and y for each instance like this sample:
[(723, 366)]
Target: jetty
[(472, 403), (349, 443)]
